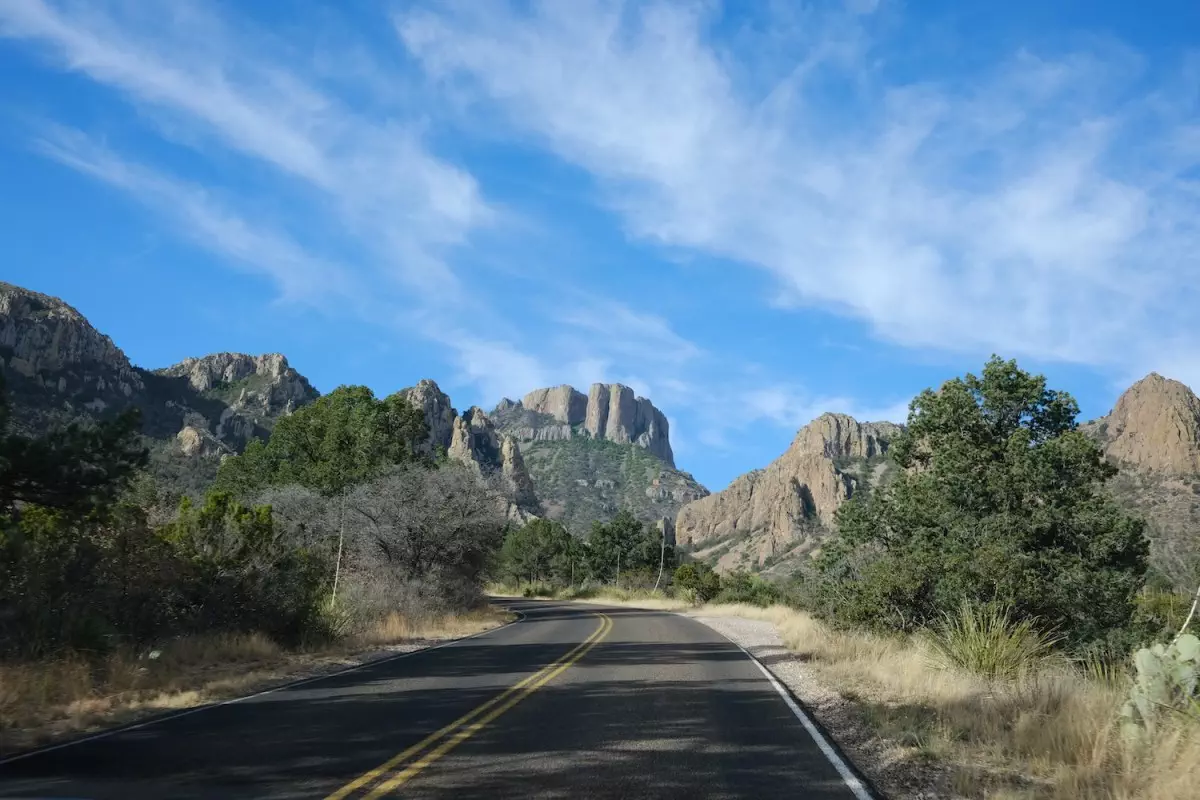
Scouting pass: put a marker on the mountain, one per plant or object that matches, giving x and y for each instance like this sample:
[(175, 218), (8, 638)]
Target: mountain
[(472, 438), (785, 510), (60, 369), (1153, 435), (592, 455)]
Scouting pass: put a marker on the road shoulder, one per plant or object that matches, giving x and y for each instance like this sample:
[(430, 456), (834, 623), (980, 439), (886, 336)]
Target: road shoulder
[(883, 762), (62, 724)]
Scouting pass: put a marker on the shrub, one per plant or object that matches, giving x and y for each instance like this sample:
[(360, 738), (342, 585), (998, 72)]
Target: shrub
[(743, 587), (697, 582), (986, 641)]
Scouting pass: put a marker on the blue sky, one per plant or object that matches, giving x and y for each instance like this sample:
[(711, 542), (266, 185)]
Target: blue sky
[(750, 212)]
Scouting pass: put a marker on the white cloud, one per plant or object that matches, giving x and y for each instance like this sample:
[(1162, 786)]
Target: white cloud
[(212, 83), (996, 213)]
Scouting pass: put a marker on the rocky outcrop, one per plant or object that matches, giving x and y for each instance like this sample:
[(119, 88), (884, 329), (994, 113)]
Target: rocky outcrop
[(257, 390), (841, 436), (472, 439), (49, 349), (609, 411), (1154, 426), (512, 467), (592, 455), (562, 403), (439, 414), (198, 442), (786, 508)]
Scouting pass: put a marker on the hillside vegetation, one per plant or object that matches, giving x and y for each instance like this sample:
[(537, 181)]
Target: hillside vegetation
[(988, 609), (333, 534)]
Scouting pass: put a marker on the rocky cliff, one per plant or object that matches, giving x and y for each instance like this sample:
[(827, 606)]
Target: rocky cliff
[(56, 364), (1154, 426), (609, 411), (592, 455), (61, 369), (1152, 434), (262, 387), (471, 438), (786, 509)]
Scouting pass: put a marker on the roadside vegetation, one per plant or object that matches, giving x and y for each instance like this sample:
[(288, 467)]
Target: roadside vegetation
[(990, 611), (333, 537)]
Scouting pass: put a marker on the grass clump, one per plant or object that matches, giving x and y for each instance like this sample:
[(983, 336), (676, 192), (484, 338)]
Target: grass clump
[(984, 640)]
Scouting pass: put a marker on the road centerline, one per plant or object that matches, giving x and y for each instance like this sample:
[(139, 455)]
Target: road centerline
[(466, 732), (527, 685)]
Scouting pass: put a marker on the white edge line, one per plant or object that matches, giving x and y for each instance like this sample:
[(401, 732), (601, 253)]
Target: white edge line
[(852, 781), (300, 682)]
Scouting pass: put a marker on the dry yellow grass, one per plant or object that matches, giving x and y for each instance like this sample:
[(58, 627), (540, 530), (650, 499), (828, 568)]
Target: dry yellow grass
[(47, 700), (1052, 735)]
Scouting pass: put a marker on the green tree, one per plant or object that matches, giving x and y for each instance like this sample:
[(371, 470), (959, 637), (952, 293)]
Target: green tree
[(698, 579), (343, 438), (76, 469), (540, 550), (999, 499), (626, 540)]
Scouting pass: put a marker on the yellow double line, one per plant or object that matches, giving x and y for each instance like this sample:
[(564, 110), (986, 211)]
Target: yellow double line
[(466, 726)]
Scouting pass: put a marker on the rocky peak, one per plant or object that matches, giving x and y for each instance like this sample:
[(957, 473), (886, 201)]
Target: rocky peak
[(48, 346), (607, 411), (787, 507), (1155, 425), (258, 388), (439, 414), (841, 436)]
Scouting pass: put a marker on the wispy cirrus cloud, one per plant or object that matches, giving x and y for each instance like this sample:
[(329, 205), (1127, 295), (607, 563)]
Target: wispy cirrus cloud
[(1001, 212), (210, 86)]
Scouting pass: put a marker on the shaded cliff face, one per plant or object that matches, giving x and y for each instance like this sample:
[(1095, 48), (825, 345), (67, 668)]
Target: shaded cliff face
[(787, 508), (60, 369), (590, 456), (57, 365)]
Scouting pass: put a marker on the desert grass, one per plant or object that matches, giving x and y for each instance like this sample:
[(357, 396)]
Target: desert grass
[(1000, 711), (76, 693)]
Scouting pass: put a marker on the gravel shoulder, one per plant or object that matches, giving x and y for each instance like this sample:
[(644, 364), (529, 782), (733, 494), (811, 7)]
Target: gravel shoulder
[(886, 764)]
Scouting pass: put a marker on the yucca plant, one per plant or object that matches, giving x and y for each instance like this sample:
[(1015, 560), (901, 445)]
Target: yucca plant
[(985, 640)]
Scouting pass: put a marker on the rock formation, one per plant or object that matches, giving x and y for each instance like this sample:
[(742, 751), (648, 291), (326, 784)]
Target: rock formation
[(1154, 426), (439, 414), (592, 455), (49, 350), (842, 436), (609, 411), (196, 441), (471, 438), (786, 508)]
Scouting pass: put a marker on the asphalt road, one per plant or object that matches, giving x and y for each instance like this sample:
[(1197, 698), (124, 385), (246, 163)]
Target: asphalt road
[(571, 701)]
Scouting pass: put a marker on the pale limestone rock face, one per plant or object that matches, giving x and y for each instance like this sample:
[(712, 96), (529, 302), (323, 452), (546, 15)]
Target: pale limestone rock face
[(563, 403), (439, 414), (789, 505), (842, 436), (196, 441), (269, 387), (608, 411), (1154, 426)]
